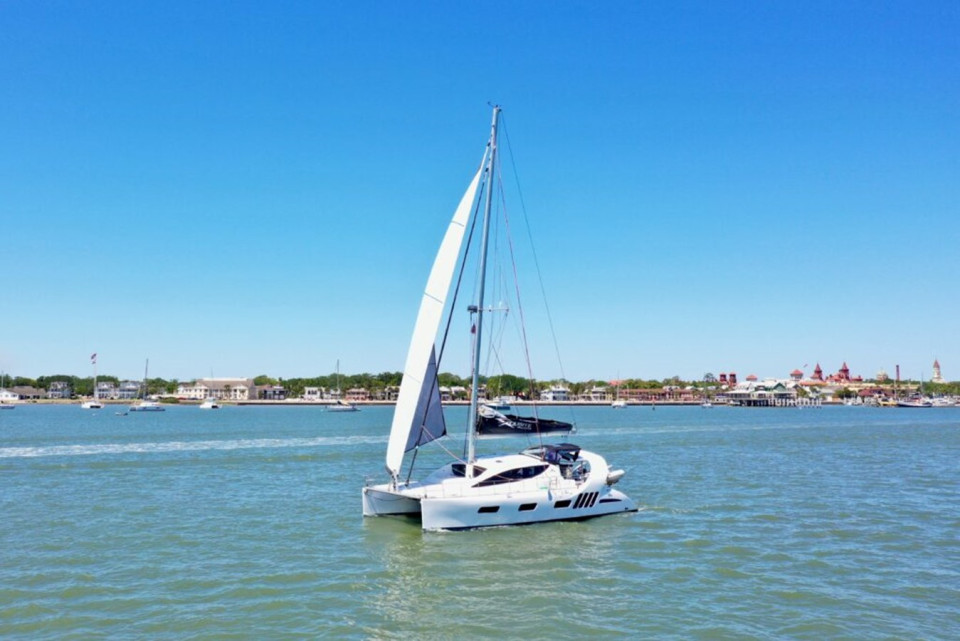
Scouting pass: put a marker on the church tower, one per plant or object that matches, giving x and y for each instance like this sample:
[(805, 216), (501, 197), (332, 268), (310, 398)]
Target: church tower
[(937, 376)]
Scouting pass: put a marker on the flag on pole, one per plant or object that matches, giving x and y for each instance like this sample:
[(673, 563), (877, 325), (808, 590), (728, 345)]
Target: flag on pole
[(93, 358)]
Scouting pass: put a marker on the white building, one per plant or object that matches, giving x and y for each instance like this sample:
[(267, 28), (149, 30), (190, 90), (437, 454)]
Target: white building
[(222, 389), (313, 394), (598, 394), (555, 393), (767, 393)]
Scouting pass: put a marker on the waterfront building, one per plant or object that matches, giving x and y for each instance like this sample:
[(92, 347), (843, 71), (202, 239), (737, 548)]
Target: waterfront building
[(796, 375), (357, 394), (59, 390), (555, 393), (128, 390), (842, 377), (27, 392), (766, 393), (668, 394), (817, 373), (597, 394), (313, 394), (223, 389), (107, 391), (8, 396), (271, 393)]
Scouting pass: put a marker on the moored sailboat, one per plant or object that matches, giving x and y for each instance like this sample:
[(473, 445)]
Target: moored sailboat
[(94, 403), (540, 483), (340, 405), (146, 405)]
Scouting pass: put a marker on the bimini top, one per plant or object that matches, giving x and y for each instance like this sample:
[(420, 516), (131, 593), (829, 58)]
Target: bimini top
[(559, 453)]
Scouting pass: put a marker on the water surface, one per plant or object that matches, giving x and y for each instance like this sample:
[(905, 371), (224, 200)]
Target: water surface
[(245, 522)]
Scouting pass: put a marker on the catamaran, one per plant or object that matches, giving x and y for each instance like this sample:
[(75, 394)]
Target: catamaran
[(544, 482), (146, 405)]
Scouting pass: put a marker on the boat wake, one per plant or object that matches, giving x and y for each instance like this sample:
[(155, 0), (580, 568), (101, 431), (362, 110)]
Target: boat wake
[(94, 449)]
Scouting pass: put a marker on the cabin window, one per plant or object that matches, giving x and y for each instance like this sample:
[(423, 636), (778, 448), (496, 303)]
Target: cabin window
[(516, 474), (460, 470), (526, 507), (563, 503), (489, 509)]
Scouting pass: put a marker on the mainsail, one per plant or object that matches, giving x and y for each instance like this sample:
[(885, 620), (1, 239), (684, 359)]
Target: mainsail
[(418, 417)]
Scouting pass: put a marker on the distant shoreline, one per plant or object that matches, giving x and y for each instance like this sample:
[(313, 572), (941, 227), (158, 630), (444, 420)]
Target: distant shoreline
[(299, 403)]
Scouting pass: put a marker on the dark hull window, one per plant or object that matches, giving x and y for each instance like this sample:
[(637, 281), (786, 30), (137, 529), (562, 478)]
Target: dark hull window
[(516, 474), (460, 470), (526, 507), (489, 509)]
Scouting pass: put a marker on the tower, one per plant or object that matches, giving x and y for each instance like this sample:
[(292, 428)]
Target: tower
[(817, 373), (937, 376)]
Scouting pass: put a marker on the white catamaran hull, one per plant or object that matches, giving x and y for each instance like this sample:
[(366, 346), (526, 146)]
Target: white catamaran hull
[(491, 510), (541, 506), (385, 500)]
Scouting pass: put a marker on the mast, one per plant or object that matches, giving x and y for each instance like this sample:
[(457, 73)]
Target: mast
[(478, 309), (146, 368)]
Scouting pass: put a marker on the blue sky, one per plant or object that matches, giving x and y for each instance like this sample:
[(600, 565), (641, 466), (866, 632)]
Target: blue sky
[(243, 188)]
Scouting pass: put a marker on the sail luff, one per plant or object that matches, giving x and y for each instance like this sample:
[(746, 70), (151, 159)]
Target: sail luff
[(420, 353)]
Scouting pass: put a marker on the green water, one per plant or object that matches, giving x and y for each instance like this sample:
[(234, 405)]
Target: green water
[(245, 523)]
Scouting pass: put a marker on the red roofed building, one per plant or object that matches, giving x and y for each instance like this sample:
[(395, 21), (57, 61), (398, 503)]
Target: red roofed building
[(843, 376)]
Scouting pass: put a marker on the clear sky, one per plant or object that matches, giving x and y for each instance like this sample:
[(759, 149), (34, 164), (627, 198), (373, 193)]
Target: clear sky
[(243, 188)]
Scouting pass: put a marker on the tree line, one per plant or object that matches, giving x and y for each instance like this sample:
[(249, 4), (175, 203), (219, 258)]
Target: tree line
[(500, 385)]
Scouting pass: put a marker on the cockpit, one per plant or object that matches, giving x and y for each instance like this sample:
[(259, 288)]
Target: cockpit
[(564, 455)]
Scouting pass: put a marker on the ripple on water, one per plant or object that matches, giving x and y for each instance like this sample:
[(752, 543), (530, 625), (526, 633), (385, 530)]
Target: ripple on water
[(834, 523)]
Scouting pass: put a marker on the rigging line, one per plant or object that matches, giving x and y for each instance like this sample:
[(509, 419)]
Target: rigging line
[(523, 324), (533, 249)]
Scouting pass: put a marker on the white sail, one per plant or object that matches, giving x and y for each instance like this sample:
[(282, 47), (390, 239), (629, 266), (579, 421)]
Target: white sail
[(428, 418), (420, 367)]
